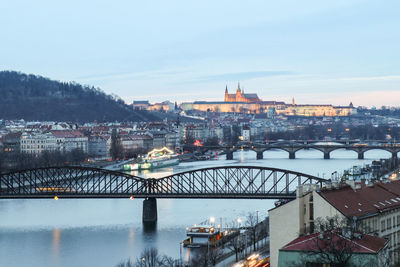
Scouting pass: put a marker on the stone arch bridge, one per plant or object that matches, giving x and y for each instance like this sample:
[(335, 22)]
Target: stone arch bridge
[(360, 149)]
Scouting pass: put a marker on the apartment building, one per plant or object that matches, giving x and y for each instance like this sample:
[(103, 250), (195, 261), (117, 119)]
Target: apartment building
[(375, 207), (36, 143), (69, 140)]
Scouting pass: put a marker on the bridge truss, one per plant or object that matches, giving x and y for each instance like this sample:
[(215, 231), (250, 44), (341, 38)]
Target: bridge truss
[(216, 182)]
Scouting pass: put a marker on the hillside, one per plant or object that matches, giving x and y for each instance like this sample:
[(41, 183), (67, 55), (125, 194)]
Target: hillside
[(32, 97)]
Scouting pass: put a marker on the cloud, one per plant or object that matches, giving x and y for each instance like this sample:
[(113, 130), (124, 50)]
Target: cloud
[(373, 78), (241, 76)]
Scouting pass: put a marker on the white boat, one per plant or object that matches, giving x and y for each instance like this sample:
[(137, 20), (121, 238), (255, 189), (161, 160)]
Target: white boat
[(157, 158)]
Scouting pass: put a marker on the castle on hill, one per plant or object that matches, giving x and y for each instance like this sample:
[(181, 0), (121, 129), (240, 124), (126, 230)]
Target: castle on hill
[(252, 104), (240, 96)]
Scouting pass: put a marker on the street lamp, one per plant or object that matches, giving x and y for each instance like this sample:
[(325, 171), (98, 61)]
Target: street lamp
[(180, 253), (257, 216), (239, 221), (212, 220)]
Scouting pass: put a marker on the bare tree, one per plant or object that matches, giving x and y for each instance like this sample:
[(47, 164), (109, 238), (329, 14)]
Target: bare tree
[(149, 258), (251, 223), (215, 254), (236, 245), (334, 244), (127, 263), (205, 257), (200, 258)]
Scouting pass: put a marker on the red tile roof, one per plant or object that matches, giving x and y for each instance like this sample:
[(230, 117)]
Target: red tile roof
[(67, 134), (366, 200), (362, 244)]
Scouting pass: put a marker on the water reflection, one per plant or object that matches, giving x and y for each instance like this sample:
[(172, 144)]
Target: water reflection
[(149, 227), (131, 235), (56, 245), (156, 173)]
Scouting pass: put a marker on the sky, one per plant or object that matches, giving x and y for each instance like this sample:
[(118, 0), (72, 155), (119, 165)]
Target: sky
[(317, 52)]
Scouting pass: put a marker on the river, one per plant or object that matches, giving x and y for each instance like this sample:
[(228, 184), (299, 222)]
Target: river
[(103, 232)]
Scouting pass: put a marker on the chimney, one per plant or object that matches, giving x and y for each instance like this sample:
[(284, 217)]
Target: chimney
[(328, 186), (351, 183), (299, 191)]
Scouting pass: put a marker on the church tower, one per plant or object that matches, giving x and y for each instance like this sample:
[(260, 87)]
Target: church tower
[(226, 94), (238, 94)]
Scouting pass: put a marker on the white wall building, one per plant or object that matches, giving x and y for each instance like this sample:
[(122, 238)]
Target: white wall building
[(36, 143), (70, 140), (375, 207)]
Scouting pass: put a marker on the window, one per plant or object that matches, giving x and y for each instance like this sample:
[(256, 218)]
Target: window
[(382, 225), (389, 223), (311, 211), (398, 237), (311, 227), (398, 220)]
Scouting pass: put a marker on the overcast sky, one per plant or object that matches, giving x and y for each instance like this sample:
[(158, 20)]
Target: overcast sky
[(315, 51)]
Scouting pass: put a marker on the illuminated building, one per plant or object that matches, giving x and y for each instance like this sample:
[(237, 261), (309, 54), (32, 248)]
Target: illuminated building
[(251, 103)]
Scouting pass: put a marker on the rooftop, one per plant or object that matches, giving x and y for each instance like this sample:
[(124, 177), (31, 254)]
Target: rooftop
[(362, 244), (364, 200), (67, 134)]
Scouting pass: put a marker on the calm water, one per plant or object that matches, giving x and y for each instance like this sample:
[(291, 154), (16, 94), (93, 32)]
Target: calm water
[(102, 232)]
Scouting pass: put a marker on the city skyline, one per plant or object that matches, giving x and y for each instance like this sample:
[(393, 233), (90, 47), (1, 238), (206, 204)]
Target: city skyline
[(322, 53)]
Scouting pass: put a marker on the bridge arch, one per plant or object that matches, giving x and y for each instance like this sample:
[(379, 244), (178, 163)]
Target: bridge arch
[(370, 151), (235, 182), (215, 182), (71, 181)]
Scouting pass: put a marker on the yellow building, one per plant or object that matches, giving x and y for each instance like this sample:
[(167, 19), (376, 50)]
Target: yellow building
[(251, 103), (240, 96)]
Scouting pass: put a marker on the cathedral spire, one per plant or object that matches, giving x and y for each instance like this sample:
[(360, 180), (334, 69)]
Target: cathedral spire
[(238, 89), (226, 89)]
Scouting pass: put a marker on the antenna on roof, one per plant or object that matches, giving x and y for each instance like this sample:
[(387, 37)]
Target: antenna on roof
[(354, 225)]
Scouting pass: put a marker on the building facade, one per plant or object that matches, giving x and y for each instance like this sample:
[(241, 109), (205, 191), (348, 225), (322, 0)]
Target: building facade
[(36, 143), (70, 140), (375, 207), (97, 146), (251, 103), (240, 96), (324, 249)]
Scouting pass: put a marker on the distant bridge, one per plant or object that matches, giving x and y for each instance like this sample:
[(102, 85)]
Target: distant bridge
[(244, 182), (360, 149)]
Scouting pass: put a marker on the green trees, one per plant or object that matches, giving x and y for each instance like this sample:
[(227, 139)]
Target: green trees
[(116, 150), (32, 97)]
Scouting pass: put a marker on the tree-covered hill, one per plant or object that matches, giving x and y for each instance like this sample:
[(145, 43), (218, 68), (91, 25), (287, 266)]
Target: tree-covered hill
[(32, 97)]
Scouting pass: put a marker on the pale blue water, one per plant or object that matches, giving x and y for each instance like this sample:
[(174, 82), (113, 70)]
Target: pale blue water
[(102, 232)]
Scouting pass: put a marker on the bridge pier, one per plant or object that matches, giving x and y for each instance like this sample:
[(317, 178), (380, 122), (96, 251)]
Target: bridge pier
[(229, 155), (260, 155), (360, 155), (327, 155), (292, 155), (149, 210)]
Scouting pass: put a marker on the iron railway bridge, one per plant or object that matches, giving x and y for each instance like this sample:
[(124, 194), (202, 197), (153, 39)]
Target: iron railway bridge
[(243, 182)]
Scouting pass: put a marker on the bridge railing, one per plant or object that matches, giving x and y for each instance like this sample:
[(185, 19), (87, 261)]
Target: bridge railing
[(215, 182)]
